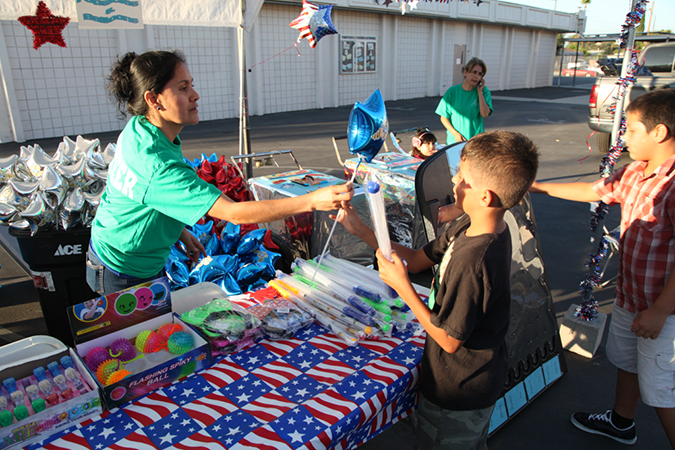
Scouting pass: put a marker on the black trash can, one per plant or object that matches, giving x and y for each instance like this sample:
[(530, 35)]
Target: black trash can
[(57, 260)]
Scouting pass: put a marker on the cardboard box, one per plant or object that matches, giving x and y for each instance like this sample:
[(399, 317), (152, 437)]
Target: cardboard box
[(125, 314), (18, 360)]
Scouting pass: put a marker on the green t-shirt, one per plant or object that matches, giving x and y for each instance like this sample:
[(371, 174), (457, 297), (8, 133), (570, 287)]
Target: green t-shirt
[(463, 110), (151, 195)]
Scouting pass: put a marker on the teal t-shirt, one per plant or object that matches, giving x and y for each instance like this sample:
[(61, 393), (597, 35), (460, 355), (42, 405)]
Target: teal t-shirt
[(463, 110), (151, 195)]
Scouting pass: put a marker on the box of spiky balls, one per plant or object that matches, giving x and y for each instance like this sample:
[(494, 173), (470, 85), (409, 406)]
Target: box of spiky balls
[(133, 344), (45, 388)]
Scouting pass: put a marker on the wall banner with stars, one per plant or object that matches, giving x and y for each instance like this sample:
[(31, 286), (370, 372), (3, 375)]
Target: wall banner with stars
[(98, 14)]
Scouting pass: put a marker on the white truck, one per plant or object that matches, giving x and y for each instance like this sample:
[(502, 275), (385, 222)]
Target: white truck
[(657, 72)]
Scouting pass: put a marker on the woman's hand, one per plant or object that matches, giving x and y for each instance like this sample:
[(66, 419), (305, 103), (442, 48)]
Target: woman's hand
[(331, 197), (193, 247), (481, 85), (394, 274), (458, 136)]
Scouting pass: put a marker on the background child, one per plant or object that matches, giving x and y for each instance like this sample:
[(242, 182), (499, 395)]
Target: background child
[(423, 144), (464, 365), (641, 341)]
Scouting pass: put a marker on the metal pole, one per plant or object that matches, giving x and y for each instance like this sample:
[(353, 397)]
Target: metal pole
[(576, 61), (244, 142), (618, 113), (562, 56)]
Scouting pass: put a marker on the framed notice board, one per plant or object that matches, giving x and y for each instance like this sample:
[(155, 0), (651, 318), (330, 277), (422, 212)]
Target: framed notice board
[(358, 54)]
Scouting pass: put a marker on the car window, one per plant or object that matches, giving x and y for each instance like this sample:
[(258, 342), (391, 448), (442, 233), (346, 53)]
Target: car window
[(659, 59)]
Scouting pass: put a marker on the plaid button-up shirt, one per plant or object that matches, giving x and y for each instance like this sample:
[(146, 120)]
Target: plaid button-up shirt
[(647, 245)]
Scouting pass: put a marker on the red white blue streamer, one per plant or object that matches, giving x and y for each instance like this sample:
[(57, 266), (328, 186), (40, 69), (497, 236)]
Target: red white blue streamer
[(588, 310)]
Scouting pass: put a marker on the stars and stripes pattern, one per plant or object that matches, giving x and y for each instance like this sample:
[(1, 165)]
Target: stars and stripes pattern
[(312, 391), (301, 23)]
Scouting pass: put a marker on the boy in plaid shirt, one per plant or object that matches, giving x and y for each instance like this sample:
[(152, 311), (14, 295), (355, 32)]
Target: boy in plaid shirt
[(641, 340)]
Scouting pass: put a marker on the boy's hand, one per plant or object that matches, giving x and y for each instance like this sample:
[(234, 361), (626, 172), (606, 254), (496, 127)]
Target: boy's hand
[(449, 213), (330, 198), (394, 274), (349, 218), (649, 323)]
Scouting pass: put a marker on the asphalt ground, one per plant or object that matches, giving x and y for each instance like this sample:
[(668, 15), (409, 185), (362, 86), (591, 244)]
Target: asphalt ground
[(555, 119)]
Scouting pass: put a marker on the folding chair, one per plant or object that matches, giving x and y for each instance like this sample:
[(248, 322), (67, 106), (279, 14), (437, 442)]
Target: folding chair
[(433, 186), (337, 150)]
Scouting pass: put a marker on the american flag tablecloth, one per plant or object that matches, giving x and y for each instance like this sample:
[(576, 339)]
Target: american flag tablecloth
[(312, 391)]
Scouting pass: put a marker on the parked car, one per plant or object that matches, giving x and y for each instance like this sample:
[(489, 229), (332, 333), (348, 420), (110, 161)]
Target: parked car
[(611, 66), (585, 72), (656, 72)]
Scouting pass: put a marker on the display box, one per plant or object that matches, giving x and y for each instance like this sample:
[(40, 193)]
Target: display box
[(126, 314), (76, 402), (396, 172), (306, 234)]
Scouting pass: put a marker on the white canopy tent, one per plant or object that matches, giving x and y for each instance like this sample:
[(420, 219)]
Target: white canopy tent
[(240, 14)]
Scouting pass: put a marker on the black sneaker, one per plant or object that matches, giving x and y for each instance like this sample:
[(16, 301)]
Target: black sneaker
[(601, 424)]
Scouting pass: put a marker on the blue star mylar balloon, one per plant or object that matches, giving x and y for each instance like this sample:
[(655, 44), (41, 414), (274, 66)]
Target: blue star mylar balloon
[(367, 127)]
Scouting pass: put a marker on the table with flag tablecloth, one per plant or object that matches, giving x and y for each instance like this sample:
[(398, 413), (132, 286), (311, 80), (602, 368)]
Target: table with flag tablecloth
[(312, 390)]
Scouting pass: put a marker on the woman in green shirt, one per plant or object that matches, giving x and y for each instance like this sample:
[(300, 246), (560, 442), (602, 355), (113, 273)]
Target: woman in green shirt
[(464, 106), (152, 194)]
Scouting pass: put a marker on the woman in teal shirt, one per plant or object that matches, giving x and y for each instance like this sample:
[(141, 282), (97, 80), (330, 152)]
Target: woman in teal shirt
[(152, 194), (464, 106)]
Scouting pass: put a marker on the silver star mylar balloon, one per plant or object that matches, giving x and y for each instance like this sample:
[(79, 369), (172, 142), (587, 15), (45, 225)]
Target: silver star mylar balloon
[(72, 207), (39, 160), (7, 168), (53, 186), (38, 191), (38, 214), (7, 213)]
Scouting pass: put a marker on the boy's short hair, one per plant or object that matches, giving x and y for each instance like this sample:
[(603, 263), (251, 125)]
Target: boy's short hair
[(504, 162), (655, 107)]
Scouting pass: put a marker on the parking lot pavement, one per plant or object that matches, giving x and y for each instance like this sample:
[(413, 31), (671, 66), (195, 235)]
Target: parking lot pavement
[(562, 135)]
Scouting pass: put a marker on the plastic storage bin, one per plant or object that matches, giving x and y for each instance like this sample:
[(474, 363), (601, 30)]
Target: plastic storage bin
[(57, 260)]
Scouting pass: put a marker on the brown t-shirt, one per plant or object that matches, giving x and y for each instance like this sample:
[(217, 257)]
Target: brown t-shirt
[(472, 304)]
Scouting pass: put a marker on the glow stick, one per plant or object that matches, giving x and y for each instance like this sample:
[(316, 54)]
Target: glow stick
[(332, 230), (375, 282), (320, 300), (377, 214), (317, 314), (352, 326), (342, 279), (327, 284)]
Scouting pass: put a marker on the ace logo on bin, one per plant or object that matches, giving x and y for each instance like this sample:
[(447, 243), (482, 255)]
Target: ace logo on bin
[(68, 250)]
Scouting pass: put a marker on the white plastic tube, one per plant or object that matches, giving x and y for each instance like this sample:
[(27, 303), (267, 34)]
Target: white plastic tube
[(377, 214)]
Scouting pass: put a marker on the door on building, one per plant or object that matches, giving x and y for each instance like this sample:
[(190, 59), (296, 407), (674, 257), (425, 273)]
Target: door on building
[(458, 65)]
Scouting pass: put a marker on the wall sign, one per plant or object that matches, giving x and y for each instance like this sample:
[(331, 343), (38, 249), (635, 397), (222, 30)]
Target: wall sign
[(358, 54)]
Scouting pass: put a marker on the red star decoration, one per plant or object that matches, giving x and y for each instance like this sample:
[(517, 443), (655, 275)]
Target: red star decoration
[(46, 27)]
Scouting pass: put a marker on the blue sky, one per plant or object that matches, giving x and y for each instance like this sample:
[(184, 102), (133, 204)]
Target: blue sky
[(607, 16)]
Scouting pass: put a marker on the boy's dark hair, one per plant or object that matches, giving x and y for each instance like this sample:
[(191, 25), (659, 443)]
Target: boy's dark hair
[(504, 162), (132, 75), (655, 107)]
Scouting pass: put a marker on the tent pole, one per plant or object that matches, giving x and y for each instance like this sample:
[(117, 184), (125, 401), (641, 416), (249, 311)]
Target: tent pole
[(244, 141)]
